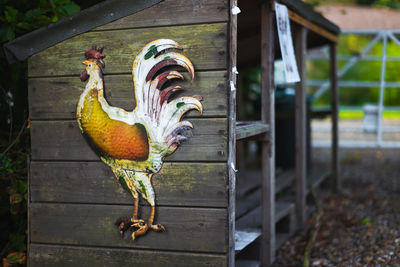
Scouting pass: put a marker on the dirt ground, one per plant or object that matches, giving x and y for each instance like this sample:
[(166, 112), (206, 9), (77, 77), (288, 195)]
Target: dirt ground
[(360, 226)]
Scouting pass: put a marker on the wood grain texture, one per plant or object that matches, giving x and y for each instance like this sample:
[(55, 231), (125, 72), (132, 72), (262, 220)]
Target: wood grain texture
[(66, 256), (232, 132), (188, 229), (57, 98), (173, 12), (336, 182), (268, 238), (300, 47), (204, 45), (62, 140), (177, 184)]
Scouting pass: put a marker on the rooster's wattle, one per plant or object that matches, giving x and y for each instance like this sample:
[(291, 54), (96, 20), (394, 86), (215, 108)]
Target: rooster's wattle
[(135, 143)]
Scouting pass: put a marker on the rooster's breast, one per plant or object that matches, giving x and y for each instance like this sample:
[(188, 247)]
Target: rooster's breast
[(112, 137)]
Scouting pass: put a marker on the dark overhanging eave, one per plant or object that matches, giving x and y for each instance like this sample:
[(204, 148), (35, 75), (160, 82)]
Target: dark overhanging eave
[(29, 44), (308, 13)]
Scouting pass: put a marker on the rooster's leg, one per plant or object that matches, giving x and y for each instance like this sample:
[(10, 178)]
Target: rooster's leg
[(124, 223), (155, 227), (135, 209)]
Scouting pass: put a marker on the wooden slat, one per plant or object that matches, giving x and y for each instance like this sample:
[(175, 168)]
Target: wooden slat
[(336, 182), (315, 177), (177, 184), (57, 98), (284, 180), (232, 46), (315, 28), (244, 205), (248, 227), (249, 129), (188, 229), (174, 12), (300, 45), (247, 180), (268, 27), (253, 218), (245, 237), (205, 45), (62, 140), (66, 256)]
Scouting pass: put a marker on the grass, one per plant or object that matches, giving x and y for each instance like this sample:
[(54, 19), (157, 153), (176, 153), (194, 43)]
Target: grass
[(355, 114)]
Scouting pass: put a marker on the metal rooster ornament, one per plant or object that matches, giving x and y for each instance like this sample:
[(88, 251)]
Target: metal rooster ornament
[(135, 143)]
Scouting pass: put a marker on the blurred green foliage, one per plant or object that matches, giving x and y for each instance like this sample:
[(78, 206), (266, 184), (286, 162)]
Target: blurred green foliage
[(352, 45), (18, 17), (393, 4)]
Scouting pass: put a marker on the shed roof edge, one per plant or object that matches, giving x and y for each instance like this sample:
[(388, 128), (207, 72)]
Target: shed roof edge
[(308, 13), (31, 43)]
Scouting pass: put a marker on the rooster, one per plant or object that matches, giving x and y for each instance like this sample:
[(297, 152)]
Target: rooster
[(135, 143)]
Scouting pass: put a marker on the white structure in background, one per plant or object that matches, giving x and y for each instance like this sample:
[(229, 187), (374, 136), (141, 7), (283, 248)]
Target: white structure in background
[(384, 26), (370, 120)]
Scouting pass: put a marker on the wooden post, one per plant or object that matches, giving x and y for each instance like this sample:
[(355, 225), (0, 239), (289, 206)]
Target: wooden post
[(335, 180), (300, 45), (268, 143), (232, 135)]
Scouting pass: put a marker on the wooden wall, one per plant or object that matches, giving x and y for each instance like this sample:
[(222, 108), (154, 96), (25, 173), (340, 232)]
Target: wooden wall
[(75, 199)]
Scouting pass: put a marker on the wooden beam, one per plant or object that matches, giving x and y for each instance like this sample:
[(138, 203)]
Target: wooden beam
[(336, 183), (300, 41), (313, 27), (232, 133), (43, 255), (268, 144)]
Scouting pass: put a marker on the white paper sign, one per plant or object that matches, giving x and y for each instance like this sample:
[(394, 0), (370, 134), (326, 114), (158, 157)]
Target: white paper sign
[(286, 43)]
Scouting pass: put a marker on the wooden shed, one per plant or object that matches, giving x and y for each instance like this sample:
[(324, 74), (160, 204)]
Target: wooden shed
[(74, 198)]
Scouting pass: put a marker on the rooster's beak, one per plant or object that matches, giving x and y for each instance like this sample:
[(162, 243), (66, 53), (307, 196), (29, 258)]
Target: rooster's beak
[(86, 62)]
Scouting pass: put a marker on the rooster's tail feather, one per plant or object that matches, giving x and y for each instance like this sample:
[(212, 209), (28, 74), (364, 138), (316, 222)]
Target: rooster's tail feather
[(152, 99)]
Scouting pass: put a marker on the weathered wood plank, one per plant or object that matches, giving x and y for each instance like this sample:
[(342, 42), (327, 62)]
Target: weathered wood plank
[(66, 256), (174, 12), (188, 229), (300, 40), (205, 45), (268, 27), (336, 182), (62, 140), (232, 131), (177, 184), (245, 129), (56, 98)]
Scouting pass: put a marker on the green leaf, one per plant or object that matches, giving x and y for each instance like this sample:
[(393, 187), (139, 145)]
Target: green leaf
[(70, 8), (180, 104), (10, 14), (18, 242), (25, 26), (33, 13), (21, 186), (366, 221), (15, 199), (6, 34)]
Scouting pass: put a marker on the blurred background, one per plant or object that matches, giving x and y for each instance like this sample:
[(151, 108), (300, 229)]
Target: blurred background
[(365, 214)]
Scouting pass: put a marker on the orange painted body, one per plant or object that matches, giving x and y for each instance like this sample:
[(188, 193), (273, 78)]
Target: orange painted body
[(115, 138)]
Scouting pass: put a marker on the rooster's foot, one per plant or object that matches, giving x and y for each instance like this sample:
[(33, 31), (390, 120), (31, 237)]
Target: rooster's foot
[(124, 223), (158, 227), (144, 228)]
